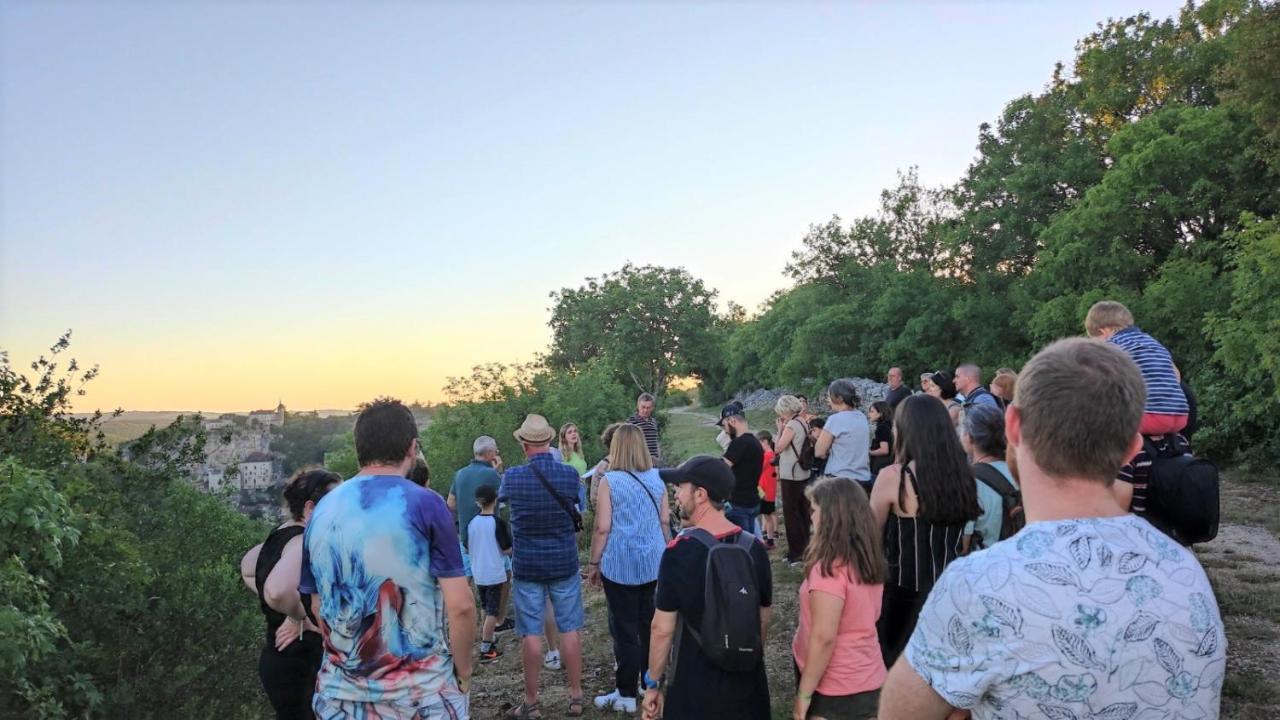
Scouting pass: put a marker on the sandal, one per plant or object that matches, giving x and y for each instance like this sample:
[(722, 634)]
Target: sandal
[(526, 711), (575, 707)]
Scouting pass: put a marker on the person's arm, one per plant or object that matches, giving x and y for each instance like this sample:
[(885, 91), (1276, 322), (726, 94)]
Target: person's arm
[(281, 588), (880, 450), (661, 631), (460, 606), (825, 610), (822, 447), (884, 492), (249, 568), (664, 516), (785, 437), (600, 536), (906, 696), (452, 502)]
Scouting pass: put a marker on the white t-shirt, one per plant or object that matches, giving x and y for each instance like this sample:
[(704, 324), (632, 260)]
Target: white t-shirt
[(487, 567), (850, 454), (1100, 618)]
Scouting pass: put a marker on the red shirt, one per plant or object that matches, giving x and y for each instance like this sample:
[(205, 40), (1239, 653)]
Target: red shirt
[(769, 478)]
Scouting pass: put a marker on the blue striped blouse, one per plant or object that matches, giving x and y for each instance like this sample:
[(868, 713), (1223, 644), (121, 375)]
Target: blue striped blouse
[(635, 544)]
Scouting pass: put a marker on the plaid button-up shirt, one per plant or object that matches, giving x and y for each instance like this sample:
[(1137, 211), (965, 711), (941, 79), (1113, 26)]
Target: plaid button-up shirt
[(545, 547)]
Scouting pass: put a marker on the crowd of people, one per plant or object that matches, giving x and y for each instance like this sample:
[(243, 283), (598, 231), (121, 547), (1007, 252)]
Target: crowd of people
[(968, 548)]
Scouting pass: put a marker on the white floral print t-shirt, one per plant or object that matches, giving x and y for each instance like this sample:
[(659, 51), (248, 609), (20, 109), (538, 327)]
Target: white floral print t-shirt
[(1095, 619)]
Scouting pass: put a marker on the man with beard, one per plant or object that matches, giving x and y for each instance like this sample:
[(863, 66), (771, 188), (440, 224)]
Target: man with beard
[(698, 686), (745, 455)]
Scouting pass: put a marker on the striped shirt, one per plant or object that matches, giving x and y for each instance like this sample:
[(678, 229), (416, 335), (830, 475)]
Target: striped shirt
[(634, 548), (918, 551), (650, 428), (1164, 393)]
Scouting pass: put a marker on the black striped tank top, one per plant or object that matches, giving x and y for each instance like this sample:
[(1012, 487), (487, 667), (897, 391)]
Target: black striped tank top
[(918, 551)]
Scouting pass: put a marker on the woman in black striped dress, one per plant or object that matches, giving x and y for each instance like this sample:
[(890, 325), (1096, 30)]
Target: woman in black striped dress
[(922, 503)]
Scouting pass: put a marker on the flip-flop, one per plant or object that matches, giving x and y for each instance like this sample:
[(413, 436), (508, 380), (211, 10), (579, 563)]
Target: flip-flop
[(526, 711), (575, 707)]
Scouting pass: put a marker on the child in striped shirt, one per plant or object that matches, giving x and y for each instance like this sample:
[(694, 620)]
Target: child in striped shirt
[(1166, 409)]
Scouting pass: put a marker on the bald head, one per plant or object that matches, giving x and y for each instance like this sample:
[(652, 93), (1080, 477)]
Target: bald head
[(894, 377)]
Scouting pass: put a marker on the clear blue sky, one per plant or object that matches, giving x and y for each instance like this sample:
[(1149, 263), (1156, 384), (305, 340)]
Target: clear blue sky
[(321, 202)]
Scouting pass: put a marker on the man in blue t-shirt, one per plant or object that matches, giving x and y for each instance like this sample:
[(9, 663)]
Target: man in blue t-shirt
[(969, 383), (381, 567)]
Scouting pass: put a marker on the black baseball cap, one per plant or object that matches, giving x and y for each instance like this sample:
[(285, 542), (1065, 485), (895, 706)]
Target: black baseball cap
[(705, 471), (728, 411)]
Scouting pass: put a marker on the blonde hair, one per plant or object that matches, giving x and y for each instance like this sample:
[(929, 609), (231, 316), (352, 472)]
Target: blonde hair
[(628, 451), (1106, 314), (1080, 403), (788, 405), (1007, 380), (567, 449)]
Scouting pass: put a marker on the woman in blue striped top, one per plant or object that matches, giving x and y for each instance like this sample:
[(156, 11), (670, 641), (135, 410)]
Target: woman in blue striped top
[(626, 547)]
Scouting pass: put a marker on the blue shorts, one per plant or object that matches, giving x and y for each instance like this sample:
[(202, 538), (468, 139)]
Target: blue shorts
[(530, 600)]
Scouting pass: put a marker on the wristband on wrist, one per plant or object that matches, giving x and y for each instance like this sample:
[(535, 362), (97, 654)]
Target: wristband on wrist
[(650, 683)]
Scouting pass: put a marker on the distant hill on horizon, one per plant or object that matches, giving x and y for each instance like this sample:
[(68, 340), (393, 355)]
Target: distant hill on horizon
[(131, 424)]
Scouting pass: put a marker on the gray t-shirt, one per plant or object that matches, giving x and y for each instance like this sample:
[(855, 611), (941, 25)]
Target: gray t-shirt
[(850, 455)]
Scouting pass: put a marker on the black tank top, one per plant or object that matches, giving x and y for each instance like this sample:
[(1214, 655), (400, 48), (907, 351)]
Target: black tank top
[(272, 549), (918, 550)]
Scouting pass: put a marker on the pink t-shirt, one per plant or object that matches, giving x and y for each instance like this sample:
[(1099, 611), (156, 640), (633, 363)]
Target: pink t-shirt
[(856, 665)]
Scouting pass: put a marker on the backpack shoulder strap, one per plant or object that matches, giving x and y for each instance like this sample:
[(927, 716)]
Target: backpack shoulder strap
[(746, 540), (991, 477), (701, 536)]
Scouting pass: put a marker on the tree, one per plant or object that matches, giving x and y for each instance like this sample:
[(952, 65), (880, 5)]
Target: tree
[(649, 324)]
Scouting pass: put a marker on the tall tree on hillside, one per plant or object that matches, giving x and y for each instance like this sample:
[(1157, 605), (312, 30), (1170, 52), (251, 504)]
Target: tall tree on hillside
[(648, 323)]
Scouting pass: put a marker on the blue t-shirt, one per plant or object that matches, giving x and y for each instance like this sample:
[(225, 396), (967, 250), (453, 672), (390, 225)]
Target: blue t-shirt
[(1091, 618), (990, 521), (372, 552)]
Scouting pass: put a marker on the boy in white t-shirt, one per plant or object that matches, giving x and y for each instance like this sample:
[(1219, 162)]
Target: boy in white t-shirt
[(488, 539)]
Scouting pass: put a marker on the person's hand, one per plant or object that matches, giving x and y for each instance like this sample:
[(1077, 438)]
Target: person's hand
[(652, 705), (289, 631), (593, 576), (464, 684), (800, 708), (779, 422)]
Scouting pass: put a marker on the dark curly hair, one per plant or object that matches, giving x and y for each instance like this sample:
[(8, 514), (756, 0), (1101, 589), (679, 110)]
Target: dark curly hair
[(308, 485), (925, 442)]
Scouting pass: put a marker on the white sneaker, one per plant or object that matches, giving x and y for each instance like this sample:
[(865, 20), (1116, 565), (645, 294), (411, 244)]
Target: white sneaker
[(616, 702), (551, 660)]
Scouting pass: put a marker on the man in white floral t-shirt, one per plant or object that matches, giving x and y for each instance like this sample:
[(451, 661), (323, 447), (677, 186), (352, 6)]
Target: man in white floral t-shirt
[(1088, 613)]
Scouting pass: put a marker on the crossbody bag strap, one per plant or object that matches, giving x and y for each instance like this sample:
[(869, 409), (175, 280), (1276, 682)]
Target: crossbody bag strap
[(564, 504), (647, 493)]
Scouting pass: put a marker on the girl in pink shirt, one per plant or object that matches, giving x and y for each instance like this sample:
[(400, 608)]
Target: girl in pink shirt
[(839, 668)]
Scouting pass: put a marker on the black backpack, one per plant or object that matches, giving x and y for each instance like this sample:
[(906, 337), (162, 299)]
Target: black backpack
[(730, 632), (1012, 517), (1182, 492)]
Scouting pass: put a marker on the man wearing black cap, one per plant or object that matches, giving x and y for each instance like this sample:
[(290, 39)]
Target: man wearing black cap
[(745, 455), (697, 687)]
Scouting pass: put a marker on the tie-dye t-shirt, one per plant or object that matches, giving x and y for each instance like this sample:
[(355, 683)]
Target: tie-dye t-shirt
[(1097, 619), (372, 552)]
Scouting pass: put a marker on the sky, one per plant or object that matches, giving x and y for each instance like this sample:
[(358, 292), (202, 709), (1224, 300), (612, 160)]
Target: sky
[(232, 204)]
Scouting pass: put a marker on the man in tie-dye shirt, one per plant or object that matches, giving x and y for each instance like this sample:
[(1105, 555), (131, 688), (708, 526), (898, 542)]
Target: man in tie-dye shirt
[(1088, 612), (381, 567)]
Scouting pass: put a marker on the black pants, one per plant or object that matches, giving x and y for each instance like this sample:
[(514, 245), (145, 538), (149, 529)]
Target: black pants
[(289, 678), (630, 614), (858, 706), (795, 516), (898, 613)]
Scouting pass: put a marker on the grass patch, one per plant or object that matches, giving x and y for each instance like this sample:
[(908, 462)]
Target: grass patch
[(1239, 598), (1253, 688), (686, 435)]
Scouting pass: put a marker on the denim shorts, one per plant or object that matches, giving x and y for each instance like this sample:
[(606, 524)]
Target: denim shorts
[(530, 600)]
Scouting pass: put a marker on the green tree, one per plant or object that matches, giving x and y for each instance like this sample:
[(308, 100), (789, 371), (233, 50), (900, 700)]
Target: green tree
[(649, 324)]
